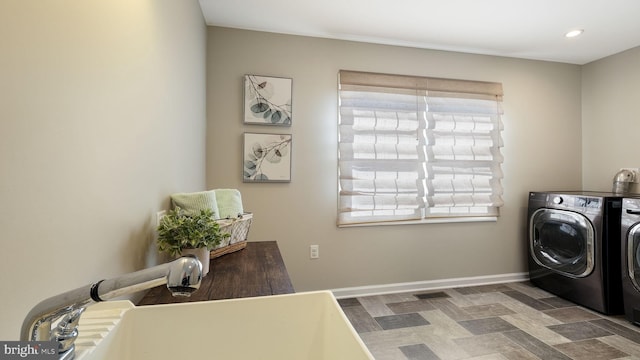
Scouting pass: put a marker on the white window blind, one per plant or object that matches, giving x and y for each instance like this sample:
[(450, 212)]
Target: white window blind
[(412, 148)]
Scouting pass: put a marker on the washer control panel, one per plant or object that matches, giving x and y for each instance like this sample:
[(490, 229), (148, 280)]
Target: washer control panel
[(583, 203), (588, 202)]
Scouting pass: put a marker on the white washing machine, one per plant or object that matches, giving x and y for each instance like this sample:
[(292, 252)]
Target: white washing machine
[(574, 247)]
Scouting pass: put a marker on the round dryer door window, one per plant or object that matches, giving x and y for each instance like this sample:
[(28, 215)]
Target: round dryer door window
[(633, 255), (562, 241)]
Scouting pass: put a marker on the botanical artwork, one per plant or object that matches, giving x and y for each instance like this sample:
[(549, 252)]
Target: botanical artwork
[(267, 100), (267, 158)]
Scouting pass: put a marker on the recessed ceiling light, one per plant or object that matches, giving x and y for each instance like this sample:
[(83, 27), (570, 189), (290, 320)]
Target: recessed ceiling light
[(574, 33)]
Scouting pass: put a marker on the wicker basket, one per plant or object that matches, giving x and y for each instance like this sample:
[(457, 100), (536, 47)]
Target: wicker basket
[(239, 230)]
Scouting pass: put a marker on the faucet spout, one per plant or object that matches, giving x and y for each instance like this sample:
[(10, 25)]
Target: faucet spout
[(182, 277)]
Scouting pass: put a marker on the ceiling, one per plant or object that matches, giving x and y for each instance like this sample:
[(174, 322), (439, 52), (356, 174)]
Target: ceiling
[(529, 29)]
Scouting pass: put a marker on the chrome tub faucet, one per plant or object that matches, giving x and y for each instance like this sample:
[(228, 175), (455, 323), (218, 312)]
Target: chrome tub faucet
[(182, 277)]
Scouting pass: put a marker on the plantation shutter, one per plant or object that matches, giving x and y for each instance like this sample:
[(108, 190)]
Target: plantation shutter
[(412, 148)]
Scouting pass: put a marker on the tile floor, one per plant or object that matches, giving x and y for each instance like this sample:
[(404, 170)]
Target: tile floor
[(505, 321)]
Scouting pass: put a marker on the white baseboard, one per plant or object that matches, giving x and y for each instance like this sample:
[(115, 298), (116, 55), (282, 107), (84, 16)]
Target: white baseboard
[(428, 285)]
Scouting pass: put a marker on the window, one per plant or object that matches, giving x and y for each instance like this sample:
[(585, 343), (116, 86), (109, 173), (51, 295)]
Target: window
[(418, 149)]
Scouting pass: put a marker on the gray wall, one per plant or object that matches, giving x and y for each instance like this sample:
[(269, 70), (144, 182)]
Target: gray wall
[(102, 113), (542, 152), (611, 125)]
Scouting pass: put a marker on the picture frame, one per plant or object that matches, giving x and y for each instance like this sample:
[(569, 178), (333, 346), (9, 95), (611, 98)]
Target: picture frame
[(266, 157), (267, 100)]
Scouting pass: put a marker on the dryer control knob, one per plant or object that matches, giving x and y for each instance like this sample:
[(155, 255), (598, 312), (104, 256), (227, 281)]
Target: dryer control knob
[(557, 200)]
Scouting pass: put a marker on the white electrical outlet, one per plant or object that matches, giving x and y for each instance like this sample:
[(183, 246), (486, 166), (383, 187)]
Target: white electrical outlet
[(314, 251), (159, 216), (636, 174)]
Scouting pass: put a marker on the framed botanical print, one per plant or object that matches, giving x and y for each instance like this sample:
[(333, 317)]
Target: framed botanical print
[(267, 100), (266, 158)]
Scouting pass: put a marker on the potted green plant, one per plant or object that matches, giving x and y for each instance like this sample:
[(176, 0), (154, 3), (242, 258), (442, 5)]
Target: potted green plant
[(180, 234)]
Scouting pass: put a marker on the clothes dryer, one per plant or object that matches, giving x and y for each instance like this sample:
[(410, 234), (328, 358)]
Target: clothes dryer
[(630, 230), (574, 247)]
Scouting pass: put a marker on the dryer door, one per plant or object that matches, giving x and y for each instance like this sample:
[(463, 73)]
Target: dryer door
[(633, 255), (562, 241)]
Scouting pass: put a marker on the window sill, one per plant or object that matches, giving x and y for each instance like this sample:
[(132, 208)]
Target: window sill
[(427, 221)]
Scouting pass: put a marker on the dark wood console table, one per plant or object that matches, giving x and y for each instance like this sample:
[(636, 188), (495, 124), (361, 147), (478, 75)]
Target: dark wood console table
[(256, 270)]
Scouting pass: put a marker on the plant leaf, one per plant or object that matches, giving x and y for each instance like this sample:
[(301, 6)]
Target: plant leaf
[(259, 107), (257, 150), (276, 116)]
